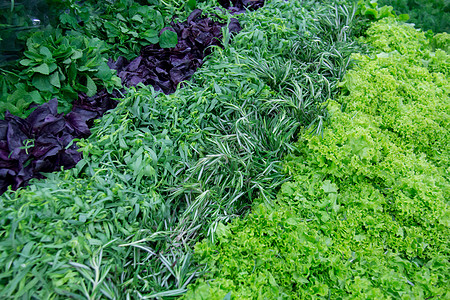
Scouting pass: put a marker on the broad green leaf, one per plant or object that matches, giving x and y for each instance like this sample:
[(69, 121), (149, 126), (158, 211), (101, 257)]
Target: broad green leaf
[(67, 18), (120, 17), (403, 17), (137, 18), (35, 97), (151, 35), (72, 73), (77, 55), (116, 82), (385, 11), (168, 39), (371, 12), (52, 67), (104, 72), (159, 20), (26, 62)]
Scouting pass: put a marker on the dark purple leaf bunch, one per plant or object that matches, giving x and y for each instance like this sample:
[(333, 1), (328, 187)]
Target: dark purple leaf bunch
[(43, 142), (165, 68), (239, 6)]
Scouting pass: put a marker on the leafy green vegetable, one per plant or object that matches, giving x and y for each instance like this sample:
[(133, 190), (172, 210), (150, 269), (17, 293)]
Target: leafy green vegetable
[(408, 93), (126, 26), (160, 172), (367, 211)]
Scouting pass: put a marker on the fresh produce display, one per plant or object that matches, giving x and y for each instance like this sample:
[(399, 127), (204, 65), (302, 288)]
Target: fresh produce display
[(225, 153), (366, 213), (126, 26), (45, 136), (43, 142), (18, 19)]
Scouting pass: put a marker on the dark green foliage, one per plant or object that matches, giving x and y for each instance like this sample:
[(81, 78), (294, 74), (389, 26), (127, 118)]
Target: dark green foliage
[(21, 18), (425, 14)]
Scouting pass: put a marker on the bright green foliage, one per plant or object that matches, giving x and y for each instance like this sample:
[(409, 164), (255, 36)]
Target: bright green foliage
[(402, 38), (367, 213), (55, 232), (72, 59), (425, 14), (56, 65), (441, 41)]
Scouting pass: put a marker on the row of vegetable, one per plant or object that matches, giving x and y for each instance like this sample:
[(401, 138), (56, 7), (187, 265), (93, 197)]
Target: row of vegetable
[(366, 214), (365, 210)]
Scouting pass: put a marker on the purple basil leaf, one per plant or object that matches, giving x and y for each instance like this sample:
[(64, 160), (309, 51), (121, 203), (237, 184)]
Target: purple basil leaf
[(194, 15)]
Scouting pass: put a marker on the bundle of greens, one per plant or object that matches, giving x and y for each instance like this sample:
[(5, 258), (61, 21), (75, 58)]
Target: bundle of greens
[(162, 171)]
